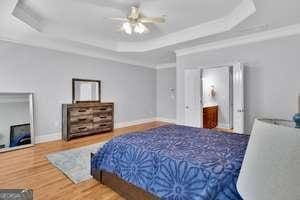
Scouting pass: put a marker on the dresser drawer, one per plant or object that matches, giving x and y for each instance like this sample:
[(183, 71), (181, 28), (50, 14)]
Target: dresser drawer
[(80, 111), (83, 119), (86, 119), (102, 117), (102, 109), (101, 126), (81, 128)]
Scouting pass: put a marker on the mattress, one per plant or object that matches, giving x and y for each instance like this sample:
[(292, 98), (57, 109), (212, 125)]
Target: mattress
[(177, 162)]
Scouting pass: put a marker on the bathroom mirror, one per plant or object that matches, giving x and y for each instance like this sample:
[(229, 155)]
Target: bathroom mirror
[(16, 121), (85, 90)]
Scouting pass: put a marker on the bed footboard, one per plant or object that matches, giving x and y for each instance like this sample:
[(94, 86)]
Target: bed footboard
[(123, 188)]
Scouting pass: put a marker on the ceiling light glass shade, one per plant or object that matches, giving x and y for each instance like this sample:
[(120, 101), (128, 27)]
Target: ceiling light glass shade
[(139, 28), (127, 28)]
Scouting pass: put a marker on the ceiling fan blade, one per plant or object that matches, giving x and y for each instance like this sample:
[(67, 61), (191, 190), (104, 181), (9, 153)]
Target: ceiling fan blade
[(134, 13), (118, 19), (152, 20)]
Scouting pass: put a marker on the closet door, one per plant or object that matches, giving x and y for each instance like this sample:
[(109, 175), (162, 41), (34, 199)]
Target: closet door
[(193, 101), (238, 98)]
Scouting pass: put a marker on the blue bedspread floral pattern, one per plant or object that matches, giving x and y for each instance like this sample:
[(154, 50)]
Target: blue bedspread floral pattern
[(177, 162)]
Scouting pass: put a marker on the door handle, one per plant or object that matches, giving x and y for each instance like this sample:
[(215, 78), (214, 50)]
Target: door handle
[(186, 107), (240, 110)]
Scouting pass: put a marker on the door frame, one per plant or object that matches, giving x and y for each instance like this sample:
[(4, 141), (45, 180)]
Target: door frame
[(232, 106)]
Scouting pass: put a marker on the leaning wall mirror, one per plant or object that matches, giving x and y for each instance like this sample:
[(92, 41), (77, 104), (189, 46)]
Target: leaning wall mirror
[(85, 90), (16, 121)]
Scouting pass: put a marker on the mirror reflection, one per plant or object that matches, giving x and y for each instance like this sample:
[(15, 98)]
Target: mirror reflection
[(15, 120), (86, 90)]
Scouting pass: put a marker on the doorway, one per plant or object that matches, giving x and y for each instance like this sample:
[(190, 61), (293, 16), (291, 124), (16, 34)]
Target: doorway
[(214, 98), (217, 98)]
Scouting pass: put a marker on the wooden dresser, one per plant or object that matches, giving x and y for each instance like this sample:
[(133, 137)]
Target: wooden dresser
[(86, 118), (210, 117)]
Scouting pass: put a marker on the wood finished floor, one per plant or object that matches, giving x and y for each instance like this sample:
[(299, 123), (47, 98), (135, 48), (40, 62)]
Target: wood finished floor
[(29, 168)]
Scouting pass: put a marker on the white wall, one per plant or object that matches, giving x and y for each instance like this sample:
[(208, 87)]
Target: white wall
[(12, 113), (272, 76), (166, 98), (219, 78), (48, 75)]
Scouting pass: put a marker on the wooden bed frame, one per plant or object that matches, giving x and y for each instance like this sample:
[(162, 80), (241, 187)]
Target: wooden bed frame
[(123, 188)]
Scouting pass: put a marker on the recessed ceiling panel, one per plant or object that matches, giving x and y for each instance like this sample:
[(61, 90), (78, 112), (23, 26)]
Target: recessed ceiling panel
[(90, 18)]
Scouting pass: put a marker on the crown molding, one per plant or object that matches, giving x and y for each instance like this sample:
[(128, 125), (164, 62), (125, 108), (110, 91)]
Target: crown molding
[(166, 65), (78, 51), (252, 38), (241, 12)]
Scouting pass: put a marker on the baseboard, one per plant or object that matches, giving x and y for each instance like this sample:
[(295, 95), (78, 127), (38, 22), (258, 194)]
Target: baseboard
[(47, 138), (168, 120), (226, 126), (57, 136), (135, 122)]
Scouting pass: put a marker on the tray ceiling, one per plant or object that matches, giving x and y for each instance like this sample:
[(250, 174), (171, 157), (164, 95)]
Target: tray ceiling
[(85, 22), (193, 24)]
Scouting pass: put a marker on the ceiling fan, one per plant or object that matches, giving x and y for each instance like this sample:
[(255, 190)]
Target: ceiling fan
[(135, 21)]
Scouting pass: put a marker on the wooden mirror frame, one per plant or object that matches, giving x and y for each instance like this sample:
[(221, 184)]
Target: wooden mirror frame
[(85, 80)]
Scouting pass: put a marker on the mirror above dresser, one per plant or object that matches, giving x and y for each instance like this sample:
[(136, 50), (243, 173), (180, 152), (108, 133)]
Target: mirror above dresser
[(86, 90), (87, 114)]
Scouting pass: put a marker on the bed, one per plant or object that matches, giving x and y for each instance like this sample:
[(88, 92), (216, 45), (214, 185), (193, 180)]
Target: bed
[(172, 162)]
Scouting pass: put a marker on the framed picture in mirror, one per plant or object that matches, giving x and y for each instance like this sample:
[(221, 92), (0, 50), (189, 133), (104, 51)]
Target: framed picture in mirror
[(20, 135), (86, 91)]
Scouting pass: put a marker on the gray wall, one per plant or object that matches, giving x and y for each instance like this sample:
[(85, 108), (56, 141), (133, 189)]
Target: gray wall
[(272, 76), (48, 75), (166, 99)]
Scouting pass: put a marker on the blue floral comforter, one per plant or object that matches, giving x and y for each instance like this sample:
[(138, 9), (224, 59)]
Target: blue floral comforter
[(177, 162)]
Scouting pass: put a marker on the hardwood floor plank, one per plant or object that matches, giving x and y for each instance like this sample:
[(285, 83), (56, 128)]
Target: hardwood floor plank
[(29, 168)]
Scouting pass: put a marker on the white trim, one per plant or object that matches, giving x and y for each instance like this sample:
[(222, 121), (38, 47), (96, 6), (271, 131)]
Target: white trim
[(135, 122), (168, 120), (58, 136), (166, 65), (47, 138), (224, 126), (256, 37)]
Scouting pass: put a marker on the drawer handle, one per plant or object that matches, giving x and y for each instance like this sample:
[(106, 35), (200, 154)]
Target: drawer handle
[(103, 125), (82, 119), (82, 128), (82, 110), (102, 108), (103, 117)]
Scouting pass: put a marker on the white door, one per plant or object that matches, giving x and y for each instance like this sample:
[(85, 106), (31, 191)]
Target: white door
[(193, 104), (238, 98)]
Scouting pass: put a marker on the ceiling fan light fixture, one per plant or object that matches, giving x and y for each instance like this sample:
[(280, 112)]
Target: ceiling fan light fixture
[(135, 21), (139, 28), (127, 28)]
